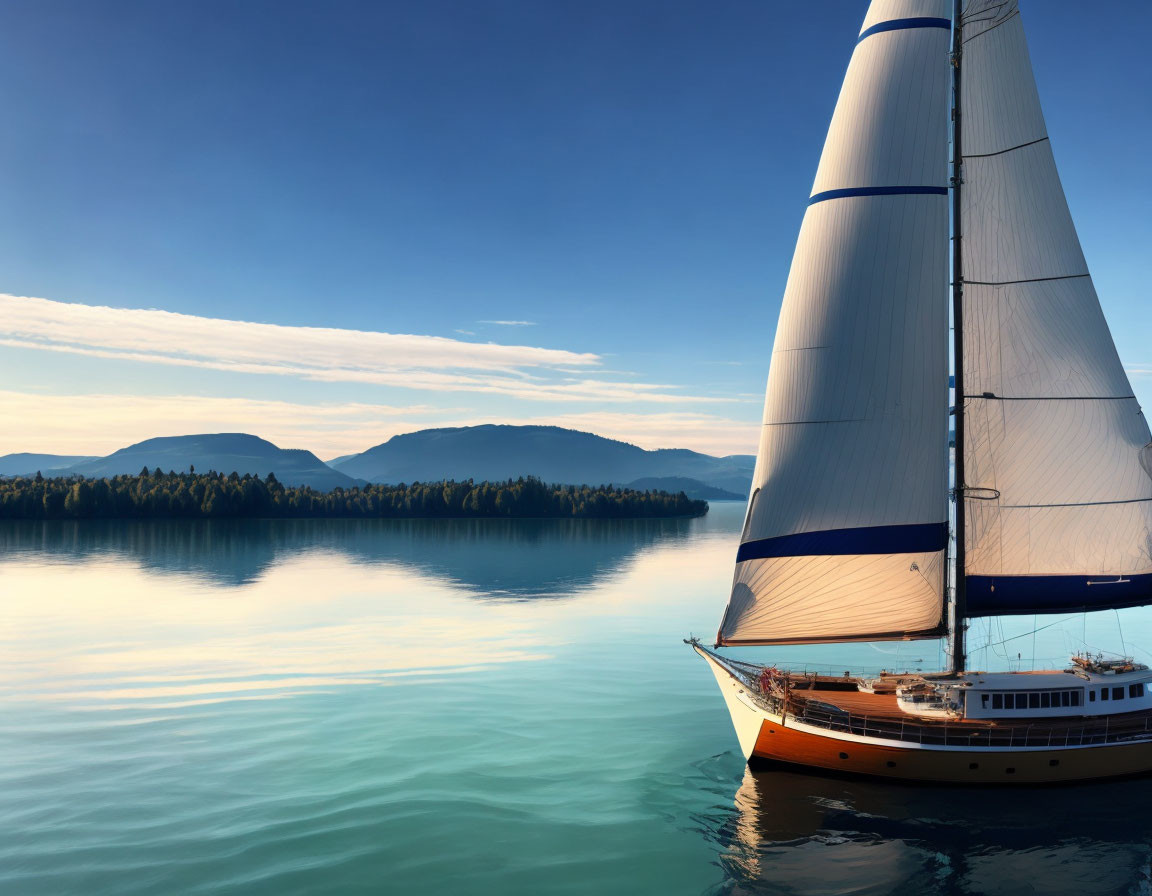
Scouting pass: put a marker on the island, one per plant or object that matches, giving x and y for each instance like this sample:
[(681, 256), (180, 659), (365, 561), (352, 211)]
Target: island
[(158, 495)]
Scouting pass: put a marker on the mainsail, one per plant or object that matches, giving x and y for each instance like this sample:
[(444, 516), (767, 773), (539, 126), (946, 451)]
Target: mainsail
[(846, 526), (1059, 491)]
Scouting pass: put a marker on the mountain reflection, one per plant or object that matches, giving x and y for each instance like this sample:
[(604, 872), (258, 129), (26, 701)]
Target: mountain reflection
[(812, 834), (514, 559)]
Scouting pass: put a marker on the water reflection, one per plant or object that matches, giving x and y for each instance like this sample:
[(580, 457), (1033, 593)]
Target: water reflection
[(495, 558), (814, 834)]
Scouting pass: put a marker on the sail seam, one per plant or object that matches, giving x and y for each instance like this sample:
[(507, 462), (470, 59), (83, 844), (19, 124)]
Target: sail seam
[(899, 635), (1008, 595), (987, 155), (877, 191), (1031, 280), (914, 538), (905, 24)]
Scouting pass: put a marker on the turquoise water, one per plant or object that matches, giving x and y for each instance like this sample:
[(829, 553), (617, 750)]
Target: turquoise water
[(462, 707)]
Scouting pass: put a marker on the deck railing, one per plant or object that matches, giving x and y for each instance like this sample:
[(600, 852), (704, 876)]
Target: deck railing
[(1102, 730), (1105, 730)]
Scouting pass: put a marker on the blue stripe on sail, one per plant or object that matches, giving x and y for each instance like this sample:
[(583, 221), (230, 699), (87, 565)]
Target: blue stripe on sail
[(902, 24), (1011, 595), (877, 191), (920, 538)]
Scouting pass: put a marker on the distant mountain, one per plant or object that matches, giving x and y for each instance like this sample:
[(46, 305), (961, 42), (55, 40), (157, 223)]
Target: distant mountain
[(225, 452), (548, 452), (693, 488), (25, 464)]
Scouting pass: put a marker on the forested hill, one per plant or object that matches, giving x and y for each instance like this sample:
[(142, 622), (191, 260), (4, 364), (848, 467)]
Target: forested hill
[(223, 451), (158, 495), (25, 463), (554, 454)]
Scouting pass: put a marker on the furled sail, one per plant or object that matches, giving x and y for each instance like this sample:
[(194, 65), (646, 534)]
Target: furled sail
[(1059, 497), (846, 526)]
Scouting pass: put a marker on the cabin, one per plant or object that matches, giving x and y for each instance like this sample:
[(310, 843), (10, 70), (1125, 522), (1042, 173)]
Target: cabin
[(1089, 688)]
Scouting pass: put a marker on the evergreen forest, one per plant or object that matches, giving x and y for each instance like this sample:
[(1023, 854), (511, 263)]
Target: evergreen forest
[(158, 495)]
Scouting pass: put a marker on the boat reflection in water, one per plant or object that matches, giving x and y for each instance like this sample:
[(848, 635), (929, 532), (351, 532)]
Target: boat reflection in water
[(812, 834)]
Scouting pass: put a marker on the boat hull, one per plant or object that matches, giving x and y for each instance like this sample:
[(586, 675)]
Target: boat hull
[(778, 738)]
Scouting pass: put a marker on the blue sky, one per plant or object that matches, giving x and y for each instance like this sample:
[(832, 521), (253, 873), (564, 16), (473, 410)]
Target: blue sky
[(607, 191)]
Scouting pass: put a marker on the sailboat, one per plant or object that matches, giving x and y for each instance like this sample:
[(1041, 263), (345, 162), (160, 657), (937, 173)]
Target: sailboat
[(848, 534)]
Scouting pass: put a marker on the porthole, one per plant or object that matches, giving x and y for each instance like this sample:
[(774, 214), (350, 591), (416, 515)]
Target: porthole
[(973, 765), (1009, 771), (843, 755), (1053, 762), (890, 764)]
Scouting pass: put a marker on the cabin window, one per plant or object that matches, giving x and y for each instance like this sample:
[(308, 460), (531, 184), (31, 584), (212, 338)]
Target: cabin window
[(997, 701), (1034, 701), (1065, 698), (1045, 700), (1091, 696), (1136, 690), (1117, 693), (1103, 693), (1075, 697), (984, 701)]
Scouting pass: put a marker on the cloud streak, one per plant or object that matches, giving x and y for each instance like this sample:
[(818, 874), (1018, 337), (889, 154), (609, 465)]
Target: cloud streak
[(102, 423), (324, 354)]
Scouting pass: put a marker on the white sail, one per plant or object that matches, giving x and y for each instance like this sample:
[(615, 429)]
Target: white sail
[(846, 523), (1059, 506)]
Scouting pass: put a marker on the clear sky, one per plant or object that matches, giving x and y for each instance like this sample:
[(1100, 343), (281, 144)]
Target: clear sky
[(578, 213)]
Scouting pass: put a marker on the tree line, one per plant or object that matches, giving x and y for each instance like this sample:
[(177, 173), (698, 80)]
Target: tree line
[(158, 495)]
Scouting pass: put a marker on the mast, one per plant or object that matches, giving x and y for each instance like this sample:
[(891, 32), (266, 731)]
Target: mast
[(960, 601)]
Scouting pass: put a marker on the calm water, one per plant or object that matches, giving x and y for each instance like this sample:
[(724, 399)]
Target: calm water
[(458, 708)]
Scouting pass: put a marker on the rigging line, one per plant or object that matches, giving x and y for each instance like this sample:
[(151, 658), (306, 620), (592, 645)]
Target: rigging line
[(993, 397), (991, 28), (987, 155), (989, 14), (1080, 504), (1033, 632), (1120, 626), (1030, 280), (1103, 652)]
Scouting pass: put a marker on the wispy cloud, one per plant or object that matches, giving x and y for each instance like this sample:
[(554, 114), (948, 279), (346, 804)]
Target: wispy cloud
[(323, 354), (1140, 370), (102, 423), (509, 323)]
